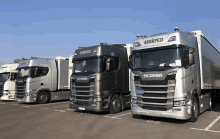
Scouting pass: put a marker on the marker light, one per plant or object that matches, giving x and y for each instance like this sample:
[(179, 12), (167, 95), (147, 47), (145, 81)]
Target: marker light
[(137, 44), (173, 38)]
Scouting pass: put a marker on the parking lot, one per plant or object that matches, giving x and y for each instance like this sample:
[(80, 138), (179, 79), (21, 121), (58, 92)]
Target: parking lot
[(55, 120)]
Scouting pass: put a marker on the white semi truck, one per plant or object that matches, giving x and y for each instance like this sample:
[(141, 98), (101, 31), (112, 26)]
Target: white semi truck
[(43, 80), (8, 74), (174, 75)]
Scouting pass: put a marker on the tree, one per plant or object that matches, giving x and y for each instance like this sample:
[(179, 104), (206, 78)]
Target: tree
[(19, 60), (23, 58)]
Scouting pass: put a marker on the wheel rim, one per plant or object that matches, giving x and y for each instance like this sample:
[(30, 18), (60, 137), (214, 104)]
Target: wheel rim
[(195, 108), (43, 97), (210, 102), (116, 104)]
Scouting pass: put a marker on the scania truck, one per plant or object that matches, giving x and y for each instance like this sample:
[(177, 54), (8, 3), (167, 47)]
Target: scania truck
[(174, 75), (8, 74), (100, 78), (43, 80)]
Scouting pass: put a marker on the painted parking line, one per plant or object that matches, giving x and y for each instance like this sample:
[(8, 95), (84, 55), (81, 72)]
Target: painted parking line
[(205, 130), (60, 110), (26, 106), (2, 103), (209, 126), (68, 109), (153, 122), (116, 117)]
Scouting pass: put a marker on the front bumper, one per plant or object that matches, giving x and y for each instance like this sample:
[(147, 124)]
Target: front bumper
[(10, 96), (97, 108), (183, 113), (26, 99)]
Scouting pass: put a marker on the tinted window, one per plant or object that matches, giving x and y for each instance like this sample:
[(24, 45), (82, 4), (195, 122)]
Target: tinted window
[(13, 76), (185, 56), (116, 63), (39, 71)]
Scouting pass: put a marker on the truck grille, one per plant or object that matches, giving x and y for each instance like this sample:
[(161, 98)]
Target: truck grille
[(20, 91), (84, 92), (158, 95), (1, 89), (154, 107)]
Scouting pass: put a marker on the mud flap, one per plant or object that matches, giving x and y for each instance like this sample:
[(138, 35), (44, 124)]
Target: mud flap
[(126, 101)]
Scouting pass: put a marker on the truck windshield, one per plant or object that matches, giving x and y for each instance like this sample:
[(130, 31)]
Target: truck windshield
[(4, 77), (86, 66), (158, 59), (23, 72)]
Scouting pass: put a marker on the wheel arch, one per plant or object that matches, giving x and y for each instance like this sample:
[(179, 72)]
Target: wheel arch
[(44, 90)]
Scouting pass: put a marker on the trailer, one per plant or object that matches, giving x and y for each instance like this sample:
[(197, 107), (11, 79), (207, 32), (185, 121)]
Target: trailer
[(43, 80), (8, 75), (174, 75), (100, 78)]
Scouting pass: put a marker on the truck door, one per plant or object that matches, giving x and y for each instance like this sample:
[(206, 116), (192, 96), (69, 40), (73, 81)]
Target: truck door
[(108, 78), (118, 70), (41, 79)]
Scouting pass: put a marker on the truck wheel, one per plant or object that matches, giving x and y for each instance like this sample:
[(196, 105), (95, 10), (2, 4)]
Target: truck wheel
[(43, 97), (194, 109), (115, 105), (210, 104)]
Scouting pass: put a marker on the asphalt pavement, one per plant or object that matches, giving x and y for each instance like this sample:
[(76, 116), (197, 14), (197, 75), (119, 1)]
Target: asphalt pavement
[(57, 121)]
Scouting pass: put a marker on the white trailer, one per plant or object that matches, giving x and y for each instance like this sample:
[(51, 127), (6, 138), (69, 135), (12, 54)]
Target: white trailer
[(8, 74)]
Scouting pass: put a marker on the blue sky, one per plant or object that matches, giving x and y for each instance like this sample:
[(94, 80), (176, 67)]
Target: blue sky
[(49, 28)]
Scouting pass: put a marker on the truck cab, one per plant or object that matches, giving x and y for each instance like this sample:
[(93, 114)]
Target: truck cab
[(8, 75), (43, 80), (100, 78), (167, 77)]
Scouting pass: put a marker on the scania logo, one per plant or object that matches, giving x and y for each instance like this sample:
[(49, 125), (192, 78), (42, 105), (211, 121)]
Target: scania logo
[(152, 75), (82, 78)]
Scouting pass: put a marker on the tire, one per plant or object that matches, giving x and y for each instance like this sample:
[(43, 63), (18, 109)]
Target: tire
[(194, 109), (43, 98), (210, 104), (115, 104)]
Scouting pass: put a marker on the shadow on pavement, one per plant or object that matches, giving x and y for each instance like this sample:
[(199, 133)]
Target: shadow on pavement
[(160, 119), (100, 113)]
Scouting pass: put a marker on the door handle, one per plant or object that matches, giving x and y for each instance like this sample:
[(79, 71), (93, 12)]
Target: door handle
[(42, 84)]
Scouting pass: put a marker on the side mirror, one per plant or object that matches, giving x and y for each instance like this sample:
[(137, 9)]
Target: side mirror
[(130, 62), (12, 77), (191, 56), (108, 64)]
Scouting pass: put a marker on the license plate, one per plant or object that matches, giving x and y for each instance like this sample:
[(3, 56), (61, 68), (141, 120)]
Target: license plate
[(140, 91), (81, 108)]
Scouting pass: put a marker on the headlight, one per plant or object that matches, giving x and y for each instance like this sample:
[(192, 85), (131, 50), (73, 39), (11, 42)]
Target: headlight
[(28, 93), (179, 103), (73, 91), (133, 100), (97, 99), (172, 73), (92, 76), (136, 74)]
